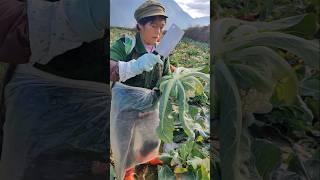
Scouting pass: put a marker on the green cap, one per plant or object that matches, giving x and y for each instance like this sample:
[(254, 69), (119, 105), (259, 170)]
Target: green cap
[(149, 8)]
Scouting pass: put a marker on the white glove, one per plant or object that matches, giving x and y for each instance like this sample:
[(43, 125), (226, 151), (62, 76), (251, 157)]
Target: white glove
[(134, 67)]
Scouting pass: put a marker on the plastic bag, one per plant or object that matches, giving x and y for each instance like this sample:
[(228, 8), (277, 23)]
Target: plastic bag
[(133, 121), (55, 127)]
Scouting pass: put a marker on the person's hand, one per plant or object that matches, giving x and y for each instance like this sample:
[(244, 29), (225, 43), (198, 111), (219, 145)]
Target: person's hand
[(147, 61), (134, 67)]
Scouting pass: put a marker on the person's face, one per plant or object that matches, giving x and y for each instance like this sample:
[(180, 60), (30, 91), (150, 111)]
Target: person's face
[(152, 31)]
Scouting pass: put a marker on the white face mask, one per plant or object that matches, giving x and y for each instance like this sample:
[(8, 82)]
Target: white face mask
[(56, 27)]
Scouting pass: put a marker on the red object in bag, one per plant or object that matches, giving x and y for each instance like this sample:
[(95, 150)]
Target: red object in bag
[(129, 174), (14, 40)]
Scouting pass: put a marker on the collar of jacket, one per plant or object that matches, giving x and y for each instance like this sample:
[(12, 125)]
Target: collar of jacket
[(139, 45)]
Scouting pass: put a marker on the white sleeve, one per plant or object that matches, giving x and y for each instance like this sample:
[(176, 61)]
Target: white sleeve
[(56, 27), (127, 70)]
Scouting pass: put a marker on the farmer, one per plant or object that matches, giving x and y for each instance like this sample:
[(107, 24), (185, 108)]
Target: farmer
[(57, 104), (132, 61)]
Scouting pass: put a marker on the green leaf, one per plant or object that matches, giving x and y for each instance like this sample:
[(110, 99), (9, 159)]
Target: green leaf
[(195, 162), (249, 77), (186, 150), (203, 76), (202, 174), (306, 27), (293, 23), (310, 87), (191, 72), (188, 86), (220, 30), (282, 75), (166, 125), (196, 84), (307, 113), (262, 57), (193, 111), (230, 123), (165, 173), (174, 90), (182, 117), (303, 24), (305, 49), (244, 151), (232, 36), (174, 86), (178, 169), (206, 164), (283, 93), (243, 30), (176, 160), (267, 156), (289, 24), (314, 106), (187, 176), (166, 77), (205, 70), (165, 158), (198, 152), (163, 85), (199, 139)]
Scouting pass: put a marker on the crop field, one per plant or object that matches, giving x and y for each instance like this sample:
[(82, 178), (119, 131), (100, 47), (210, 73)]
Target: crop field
[(266, 68)]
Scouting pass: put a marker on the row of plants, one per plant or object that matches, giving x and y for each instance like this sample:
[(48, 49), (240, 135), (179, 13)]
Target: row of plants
[(184, 125), (265, 108)]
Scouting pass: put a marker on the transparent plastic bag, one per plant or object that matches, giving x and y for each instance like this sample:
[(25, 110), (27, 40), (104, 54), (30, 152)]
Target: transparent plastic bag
[(55, 128), (133, 121)]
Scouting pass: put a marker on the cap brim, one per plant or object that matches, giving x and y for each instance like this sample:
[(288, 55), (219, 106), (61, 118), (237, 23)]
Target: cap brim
[(154, 14)]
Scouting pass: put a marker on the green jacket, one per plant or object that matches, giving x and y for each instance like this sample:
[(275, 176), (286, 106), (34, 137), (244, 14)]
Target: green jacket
[(128, 48)]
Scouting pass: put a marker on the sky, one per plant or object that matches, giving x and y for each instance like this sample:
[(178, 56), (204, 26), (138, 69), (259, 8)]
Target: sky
[(195, 8)]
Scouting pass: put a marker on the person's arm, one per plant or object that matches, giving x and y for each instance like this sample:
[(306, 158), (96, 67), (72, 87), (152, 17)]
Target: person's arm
[(114, 71), (122, 71), (172, 68)]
